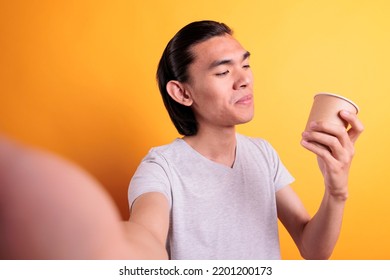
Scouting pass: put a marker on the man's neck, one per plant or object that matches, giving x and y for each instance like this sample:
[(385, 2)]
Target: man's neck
[(216, 145)]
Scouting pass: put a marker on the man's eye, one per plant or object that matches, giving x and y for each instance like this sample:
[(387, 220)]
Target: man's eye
[(246, 66), (223, 73)]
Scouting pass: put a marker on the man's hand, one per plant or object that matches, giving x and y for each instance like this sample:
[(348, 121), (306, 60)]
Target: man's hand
[(335, 152)]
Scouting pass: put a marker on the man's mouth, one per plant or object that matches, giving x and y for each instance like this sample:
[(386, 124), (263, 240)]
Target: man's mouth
[(247, 99)]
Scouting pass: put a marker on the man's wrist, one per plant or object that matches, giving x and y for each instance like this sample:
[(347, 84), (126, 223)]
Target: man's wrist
[(337, 196)]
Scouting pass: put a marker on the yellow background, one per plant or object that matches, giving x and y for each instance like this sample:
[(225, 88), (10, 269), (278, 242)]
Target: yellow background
[(78, 78)]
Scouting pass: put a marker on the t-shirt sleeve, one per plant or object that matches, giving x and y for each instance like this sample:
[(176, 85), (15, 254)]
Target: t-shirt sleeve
[(150, 176), (281, 176)]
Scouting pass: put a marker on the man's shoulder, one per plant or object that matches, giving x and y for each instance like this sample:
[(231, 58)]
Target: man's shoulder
[(166, 147), (164, 152)]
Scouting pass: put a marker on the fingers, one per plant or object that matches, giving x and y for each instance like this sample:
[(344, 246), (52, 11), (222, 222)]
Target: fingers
[(329, 134), (320, 150), (346, 138), (325, 141), (325, 145), (356, 126), (329, 140)]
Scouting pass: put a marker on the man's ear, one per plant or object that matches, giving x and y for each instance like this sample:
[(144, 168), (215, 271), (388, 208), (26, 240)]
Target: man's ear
[(179, 93)]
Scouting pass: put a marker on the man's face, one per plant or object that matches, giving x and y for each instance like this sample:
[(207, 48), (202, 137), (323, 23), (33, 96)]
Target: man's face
[(221, 83)]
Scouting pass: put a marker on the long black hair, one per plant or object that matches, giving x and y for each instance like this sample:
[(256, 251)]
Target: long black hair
[(174, 64)]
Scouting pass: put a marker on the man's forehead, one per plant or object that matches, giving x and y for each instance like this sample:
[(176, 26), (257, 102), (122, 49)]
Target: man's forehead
[(217, 48)]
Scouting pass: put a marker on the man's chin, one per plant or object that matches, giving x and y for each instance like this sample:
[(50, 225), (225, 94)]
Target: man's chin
[(246, 119), (243, 122)]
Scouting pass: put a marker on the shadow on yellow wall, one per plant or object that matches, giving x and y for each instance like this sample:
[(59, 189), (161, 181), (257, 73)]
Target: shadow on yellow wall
[(78, 78)]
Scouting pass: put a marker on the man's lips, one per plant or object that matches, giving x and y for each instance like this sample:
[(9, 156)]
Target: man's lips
[(247, 99)]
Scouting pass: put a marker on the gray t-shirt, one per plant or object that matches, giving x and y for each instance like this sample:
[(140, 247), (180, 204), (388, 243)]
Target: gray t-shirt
[(217, 212)]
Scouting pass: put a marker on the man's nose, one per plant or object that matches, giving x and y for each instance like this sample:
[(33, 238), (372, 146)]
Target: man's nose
[(243, 79)]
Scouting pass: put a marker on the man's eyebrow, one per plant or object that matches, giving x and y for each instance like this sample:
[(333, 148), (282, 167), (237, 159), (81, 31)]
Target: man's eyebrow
[(217, 63), (246, 55)]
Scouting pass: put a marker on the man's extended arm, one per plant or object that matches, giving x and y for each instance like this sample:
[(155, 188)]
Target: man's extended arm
[(52, 209)]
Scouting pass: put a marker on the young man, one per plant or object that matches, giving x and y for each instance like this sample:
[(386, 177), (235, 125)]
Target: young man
[(215, 194)]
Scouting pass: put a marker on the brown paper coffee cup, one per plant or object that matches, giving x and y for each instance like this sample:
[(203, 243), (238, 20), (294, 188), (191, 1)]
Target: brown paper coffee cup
[(327, 107)]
